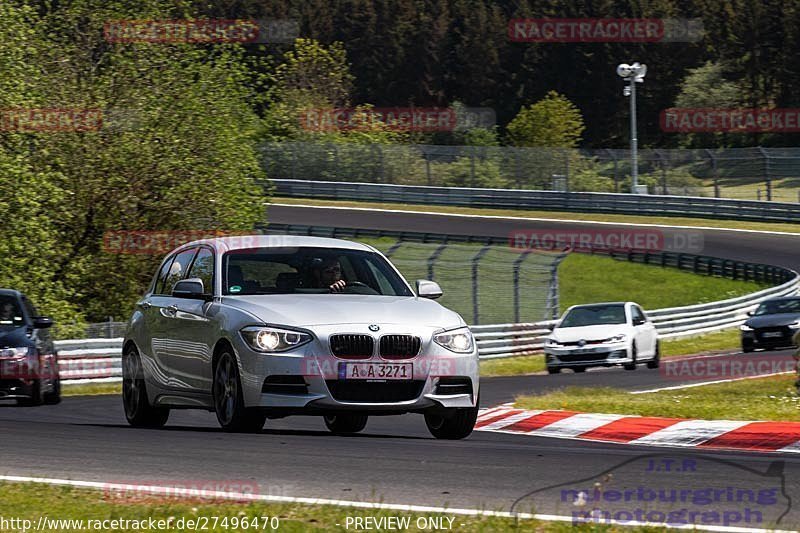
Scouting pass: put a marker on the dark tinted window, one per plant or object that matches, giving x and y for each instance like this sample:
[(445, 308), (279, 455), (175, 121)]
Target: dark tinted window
[(161, 278), (203, 268), (594, 315), (772, 307), (29, 308), (177, 270), (10, 312), (309, 271)]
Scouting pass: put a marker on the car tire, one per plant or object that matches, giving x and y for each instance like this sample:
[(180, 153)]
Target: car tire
[(747, 347), (37, 398), (138, 410), (632, 364), (454, 424), (345, 423), (553, 369), (578, 369), (54, 396), (229, 407), (655, 362)]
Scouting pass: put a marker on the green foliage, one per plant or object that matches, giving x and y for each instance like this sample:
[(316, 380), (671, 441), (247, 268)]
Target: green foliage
[(471, 172), (176, 152), (553, 121), (708, 86)]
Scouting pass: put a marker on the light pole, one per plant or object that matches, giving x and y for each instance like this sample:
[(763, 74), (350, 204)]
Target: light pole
[(634, 74)]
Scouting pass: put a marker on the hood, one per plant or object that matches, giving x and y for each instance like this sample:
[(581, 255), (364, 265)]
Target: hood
[(777, 319), (589, 333), (14, 337), (319, 309)]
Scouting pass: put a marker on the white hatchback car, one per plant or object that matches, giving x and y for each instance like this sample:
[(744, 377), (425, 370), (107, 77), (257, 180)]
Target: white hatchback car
[(603, 334)]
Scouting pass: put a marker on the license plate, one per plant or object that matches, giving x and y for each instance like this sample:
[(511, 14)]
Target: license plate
[(379, 371), (772, 334)]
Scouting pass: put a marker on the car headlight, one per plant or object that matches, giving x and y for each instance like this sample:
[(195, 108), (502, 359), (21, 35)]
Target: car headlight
[(795, 324), (618, 338), (745, 327), (549, 341), (456, 340), (268, 339), (14, 352)]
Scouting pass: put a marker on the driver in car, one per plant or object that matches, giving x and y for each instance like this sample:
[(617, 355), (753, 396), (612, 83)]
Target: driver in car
[(329, 275)]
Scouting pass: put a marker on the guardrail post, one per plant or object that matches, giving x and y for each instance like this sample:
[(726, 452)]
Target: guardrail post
[(767, 176), (433, 257), (475, 263), (714, 173), (616, 170), (393, 248), (517, 263), (663, 166), (472, 166)]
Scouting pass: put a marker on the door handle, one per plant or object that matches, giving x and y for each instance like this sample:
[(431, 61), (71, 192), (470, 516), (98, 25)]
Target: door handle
[(145, 305), (172, 309)]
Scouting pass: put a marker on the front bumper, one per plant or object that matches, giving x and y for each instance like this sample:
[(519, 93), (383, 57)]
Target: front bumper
[(774, 337), (595, 355), (11, 389), (307, 380)]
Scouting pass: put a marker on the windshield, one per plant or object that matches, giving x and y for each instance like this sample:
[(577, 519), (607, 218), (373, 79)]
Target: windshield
[(10, 312), (307, 270), (594, 315), (778, 306)]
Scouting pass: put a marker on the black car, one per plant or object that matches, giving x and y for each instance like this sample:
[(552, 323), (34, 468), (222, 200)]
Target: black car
[(772, 325), (28, 360)]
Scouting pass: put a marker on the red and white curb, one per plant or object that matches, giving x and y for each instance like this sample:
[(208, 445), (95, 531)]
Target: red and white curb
[(644, 430)]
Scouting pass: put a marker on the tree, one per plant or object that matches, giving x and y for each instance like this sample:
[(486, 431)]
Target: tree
[(553, 121), (176, 151), (707, 86)]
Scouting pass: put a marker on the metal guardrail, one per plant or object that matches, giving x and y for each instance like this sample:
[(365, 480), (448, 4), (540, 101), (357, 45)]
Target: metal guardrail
[(631, 204), (99, 360), (505, 340), (698, 264)]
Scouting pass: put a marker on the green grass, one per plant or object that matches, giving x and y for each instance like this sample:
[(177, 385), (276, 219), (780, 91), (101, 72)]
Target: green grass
[(770, 398), (583, 278), (727, 339), (513, 366), (91, 389), (31, 500), (530, 364), (557, 215), (586, 279)]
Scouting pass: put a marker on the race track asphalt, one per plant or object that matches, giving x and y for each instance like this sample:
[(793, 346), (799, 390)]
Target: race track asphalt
[(394, 460)]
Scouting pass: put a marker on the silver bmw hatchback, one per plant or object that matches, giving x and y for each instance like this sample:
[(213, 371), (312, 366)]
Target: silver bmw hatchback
[(268, 326)]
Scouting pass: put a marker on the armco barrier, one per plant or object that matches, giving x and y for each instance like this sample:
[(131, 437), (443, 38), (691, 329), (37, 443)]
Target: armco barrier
[(699, 264), (93, 360), (584, 202)]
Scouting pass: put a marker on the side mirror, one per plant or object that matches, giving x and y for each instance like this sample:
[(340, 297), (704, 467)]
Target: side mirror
[(428, 289), (42, 322), (552, 326), (191, 288), (639, 322)]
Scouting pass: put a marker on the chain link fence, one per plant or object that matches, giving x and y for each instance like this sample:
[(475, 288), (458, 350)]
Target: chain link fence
[(486, 284), (742, 173)]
